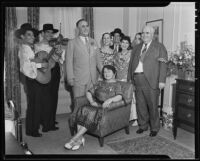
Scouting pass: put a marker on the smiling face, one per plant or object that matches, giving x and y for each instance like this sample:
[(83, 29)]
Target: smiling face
[(108, 74), (48, 35), (106, 40), (28, 37), (125, 44), (83, 28), (147, 34)]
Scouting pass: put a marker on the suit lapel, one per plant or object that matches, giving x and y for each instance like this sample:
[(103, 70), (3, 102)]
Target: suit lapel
[(82, 45), (149, 50)]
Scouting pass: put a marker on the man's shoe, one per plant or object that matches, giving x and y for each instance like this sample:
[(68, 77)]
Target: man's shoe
[(153, 133), (54, 128), (56, 122), (36, 134), (140, 131), (45, 130)]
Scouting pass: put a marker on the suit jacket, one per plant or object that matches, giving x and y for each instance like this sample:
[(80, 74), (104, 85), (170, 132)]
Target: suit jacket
[(154, 63), (82, 62)]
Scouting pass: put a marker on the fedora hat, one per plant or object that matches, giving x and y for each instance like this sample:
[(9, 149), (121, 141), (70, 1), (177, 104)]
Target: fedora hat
[(25, 27), (117, 30), (49, 27)]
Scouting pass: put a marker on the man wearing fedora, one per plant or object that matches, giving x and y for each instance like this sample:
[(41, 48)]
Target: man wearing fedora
[(117, 35), (50, 105), (26, 34)]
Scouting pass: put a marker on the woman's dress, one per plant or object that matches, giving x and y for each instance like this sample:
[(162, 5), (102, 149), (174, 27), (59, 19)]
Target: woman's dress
[(89, 116)]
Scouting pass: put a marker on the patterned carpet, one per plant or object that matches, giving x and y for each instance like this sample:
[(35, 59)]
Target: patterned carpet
[(152, 146)]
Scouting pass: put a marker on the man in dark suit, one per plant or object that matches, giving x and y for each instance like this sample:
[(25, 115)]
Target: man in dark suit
[(147, 70)]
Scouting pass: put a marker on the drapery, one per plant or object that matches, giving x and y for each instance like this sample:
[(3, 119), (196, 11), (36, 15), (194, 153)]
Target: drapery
[(12, 83), (87, 13), (33, 16)]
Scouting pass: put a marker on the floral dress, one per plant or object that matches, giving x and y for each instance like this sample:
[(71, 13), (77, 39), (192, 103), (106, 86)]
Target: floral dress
[(89, 116), (121, 63), (107, 57)]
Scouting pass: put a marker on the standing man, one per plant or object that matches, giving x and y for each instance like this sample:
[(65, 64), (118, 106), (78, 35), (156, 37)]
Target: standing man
[(117, 36), (147, 70), (50, 107), (82, 60)]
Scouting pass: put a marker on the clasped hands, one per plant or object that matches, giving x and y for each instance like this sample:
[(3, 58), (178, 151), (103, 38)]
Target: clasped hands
[(104, 105)]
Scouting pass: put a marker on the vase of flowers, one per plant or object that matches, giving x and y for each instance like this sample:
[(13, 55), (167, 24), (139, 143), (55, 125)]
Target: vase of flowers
[(182, 62)]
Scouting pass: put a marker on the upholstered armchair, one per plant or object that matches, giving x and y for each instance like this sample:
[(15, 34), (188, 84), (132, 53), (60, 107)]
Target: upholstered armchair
[(114, 118)]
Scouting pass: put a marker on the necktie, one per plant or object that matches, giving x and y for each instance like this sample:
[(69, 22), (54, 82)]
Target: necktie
[(86, 43), (143, 53)]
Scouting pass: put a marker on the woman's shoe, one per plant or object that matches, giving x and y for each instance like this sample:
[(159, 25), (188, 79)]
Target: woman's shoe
[(69, 145), (78, 144)]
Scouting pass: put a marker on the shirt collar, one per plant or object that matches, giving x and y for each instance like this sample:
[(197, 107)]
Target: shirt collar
[(83, 38), (148, 44)]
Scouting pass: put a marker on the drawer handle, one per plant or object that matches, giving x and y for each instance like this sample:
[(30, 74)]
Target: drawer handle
[(189, 115), (189, 100)]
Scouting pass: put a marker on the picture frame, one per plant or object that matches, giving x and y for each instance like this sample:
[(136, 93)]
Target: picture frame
[(158, 27)]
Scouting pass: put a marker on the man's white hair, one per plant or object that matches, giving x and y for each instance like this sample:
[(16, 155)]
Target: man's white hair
[(150, 27)]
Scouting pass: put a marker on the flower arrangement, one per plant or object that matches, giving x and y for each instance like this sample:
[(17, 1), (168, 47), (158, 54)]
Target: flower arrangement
[(182, 59), (168, 120)]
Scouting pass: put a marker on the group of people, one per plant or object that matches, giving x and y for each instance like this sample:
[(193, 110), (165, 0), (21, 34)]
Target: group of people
[(94, 72)]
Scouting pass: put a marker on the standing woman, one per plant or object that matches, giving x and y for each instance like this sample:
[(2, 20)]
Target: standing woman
[(122, 58), (105, 50), (121, 61), (26, 34)]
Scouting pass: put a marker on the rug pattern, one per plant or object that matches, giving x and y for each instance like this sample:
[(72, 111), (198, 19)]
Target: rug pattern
[(152, 146)]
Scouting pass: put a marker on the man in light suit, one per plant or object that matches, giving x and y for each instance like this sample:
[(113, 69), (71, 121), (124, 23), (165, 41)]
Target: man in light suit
[(147, 70), (83, 61)]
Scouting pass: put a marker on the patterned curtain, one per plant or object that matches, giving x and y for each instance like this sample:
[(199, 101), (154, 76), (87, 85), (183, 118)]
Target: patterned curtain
[(87, 13), (33, 16), (12, 83)]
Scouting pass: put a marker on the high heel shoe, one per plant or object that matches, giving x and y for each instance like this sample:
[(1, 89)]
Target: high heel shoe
[(79, 143), (69, 145)]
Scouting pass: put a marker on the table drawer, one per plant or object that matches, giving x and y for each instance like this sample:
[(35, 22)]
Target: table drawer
[(186, 114), (185, 99), (187, 87)]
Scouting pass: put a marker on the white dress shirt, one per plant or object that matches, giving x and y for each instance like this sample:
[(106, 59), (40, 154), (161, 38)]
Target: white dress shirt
[(27, 67), (139, 68), (83, 39)]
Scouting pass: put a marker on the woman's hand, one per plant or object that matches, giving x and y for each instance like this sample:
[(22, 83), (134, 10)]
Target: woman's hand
[(93, 103), (107, 103)]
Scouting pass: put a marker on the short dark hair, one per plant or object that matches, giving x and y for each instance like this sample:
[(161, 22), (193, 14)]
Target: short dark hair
[(110, 67), (77, 23), (127, 38)]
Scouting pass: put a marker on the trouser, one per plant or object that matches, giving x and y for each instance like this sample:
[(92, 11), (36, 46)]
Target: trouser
[(146, 104), (34, 106), (80, 90), (54, 88)]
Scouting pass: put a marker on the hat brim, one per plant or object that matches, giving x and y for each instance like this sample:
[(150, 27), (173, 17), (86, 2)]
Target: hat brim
[(54, 30), (20, 32)]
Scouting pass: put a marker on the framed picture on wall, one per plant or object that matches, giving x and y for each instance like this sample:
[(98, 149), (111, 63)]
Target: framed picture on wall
[(158, 27)]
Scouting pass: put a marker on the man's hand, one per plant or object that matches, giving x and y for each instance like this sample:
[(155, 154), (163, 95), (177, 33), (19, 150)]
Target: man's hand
[(71, 82), (161, 85), (45, 65)]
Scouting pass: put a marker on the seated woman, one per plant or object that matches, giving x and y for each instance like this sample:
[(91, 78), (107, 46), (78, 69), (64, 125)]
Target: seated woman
[(101, 95)]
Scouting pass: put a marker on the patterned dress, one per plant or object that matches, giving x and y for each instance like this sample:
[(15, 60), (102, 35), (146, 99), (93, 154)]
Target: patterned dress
[(107, 57), (121, 63), (89, 116)]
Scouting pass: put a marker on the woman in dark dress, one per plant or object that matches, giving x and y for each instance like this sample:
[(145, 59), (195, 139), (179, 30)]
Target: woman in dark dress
[(101, 95)]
